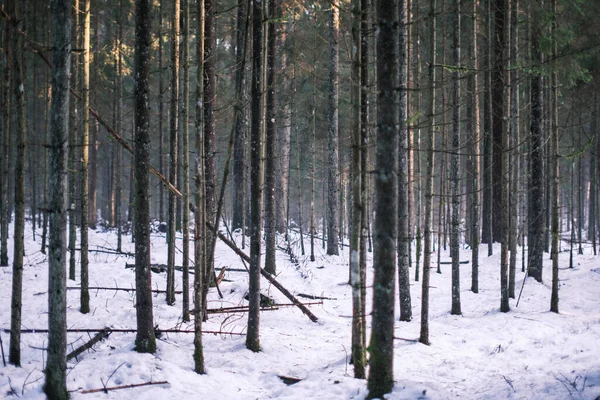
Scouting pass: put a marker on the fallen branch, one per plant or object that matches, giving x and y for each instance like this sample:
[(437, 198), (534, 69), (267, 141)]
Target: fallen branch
[(450, 262), (118, 289), (134, 385), (103, 334), (268, 276), (313, 297), (118, 253), (224, 310), (92, 330), (158, 268)]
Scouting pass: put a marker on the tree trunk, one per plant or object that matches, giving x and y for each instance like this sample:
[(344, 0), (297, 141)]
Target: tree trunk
[(14, 353), (145, 341), (161, 112), (85, 142), (333, 179), (73, 148), (455, 234), (403, 235), (271, 139), (5, 188), (486, 226), (119, 150), (93, 141), (381, 371), (514, 166), (358, 350), (174, 133), (56, 364), (535, 238), (239, 149), (200, 199), (424, 335), (253, 335), (474, 150), (554, 163), (185, 165)]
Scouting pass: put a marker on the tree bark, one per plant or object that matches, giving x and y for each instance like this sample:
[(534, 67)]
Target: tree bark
[(424, 335), (455, 234), (554, 163), (174, 152), (145, 341), (14, 353), (56, 365), (514, 144), (381, 371), (403, 228), (271, 139), (185, 164), (85, 143), (5, 189), (253, 335), (333, 179)]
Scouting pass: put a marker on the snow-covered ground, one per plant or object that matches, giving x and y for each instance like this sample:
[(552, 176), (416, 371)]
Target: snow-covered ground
[(528, 353)]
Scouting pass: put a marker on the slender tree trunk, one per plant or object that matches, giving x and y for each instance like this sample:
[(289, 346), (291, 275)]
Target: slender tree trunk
[(358, 351), (200, 199), (381, 371), (271, 139), (486, 227), (514, 144), (474, 150), (119, 150), (14, 353), (5, 189), (535, 238), (185, 167), (403, 235), (333, 179), (56, 365), (239, 147), (145, 341), (209, 102), (554, 160), (424, 335), (313, 163), (253, 335), (85, 142), (93, 141), (455, 234), (161, 112), (174, 152), (73, 148)]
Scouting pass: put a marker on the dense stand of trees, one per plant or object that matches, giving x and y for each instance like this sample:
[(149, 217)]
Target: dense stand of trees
[(460, 122)]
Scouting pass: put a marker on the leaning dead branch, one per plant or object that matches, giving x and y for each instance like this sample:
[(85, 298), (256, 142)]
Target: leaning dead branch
[(267, 276), (103, 334), (134, 385)]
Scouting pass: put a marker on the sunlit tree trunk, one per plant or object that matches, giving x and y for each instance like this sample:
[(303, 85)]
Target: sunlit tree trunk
[(73, 148), (185, 164)]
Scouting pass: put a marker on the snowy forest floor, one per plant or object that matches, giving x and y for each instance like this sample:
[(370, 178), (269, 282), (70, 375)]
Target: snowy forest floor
[(528, 353)]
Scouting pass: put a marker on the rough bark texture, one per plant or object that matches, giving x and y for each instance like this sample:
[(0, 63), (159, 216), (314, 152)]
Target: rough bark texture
[(381, 371), (498, 83), (554, 164), (239, 146), (85, 142), (486, 225), (253, 335), (403, 228), (271, 140), (515, 164), (424, 335), (14, 352), (200, 200), (56, 365), (358, 350), (145, 341), (73, 148), (474, 150), (455, 234), (4, 189), (185, 162), (535, 238), (333, 181), (174, 135)]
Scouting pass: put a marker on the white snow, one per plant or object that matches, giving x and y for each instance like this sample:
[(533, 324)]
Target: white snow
[(528, 353)]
